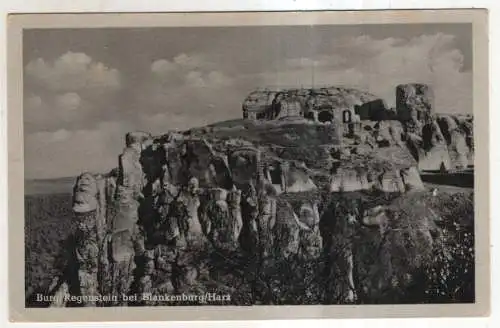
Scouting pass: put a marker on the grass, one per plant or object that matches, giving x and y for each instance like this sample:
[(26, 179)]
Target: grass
[(284, 134)]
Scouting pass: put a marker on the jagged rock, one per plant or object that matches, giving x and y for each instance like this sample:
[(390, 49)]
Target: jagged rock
[(173, 170), (110, 190), (286, 231), (310, 102), (349, 180), (374, 110), (390, 181), (437, 158), (244, 164), (149, 264), (249, 236), (432, 135), (378, 217), (266, 219), (458, 150), (225, 225), (389, 132), (217, 211), (126, 209), (131, 175), (414, 101), (257, 104), (84, 194), (411, 179), (447, 124), (202, 162), (88, 286), (190, 274), (228, 183), (166, 288), (234, 208), (407, 227), (122, 246), (101, 221), (339, 222), (189, 198), (60, 296), (138, 139), (175, 225), (311, 243), (298, 180), (86, 252)]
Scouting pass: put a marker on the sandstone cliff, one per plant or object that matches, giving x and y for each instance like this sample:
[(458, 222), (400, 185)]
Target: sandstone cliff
[(233, 206)]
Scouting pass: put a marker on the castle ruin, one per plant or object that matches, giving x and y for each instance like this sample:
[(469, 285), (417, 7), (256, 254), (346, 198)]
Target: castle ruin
[(414, 101)]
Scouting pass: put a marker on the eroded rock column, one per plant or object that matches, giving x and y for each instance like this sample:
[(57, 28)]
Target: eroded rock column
[(85, 208), (125, 239)]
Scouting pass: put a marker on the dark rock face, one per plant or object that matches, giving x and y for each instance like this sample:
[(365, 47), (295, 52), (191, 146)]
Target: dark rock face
[(414, 101), (234, 207), (375, 110)]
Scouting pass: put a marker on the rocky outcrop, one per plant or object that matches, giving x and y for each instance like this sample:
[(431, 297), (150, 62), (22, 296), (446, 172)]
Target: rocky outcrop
[(414, 101), (318, 104), (458, 133), (87, 244), (181, 208)]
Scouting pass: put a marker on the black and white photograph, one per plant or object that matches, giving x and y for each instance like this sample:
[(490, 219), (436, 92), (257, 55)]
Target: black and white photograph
[(252, 165)]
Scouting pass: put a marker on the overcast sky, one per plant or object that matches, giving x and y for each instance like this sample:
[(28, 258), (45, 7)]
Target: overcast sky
[(85, 88)]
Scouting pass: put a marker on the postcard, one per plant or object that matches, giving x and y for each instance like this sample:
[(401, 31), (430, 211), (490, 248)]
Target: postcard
[(248, 165)]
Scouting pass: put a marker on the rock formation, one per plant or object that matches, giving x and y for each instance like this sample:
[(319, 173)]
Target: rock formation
[(248, 193)]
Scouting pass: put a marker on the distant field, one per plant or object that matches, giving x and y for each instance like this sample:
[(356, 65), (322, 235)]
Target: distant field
[(49, 186)]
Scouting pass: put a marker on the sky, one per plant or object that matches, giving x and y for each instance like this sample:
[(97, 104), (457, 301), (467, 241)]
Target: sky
[(84, 89)]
